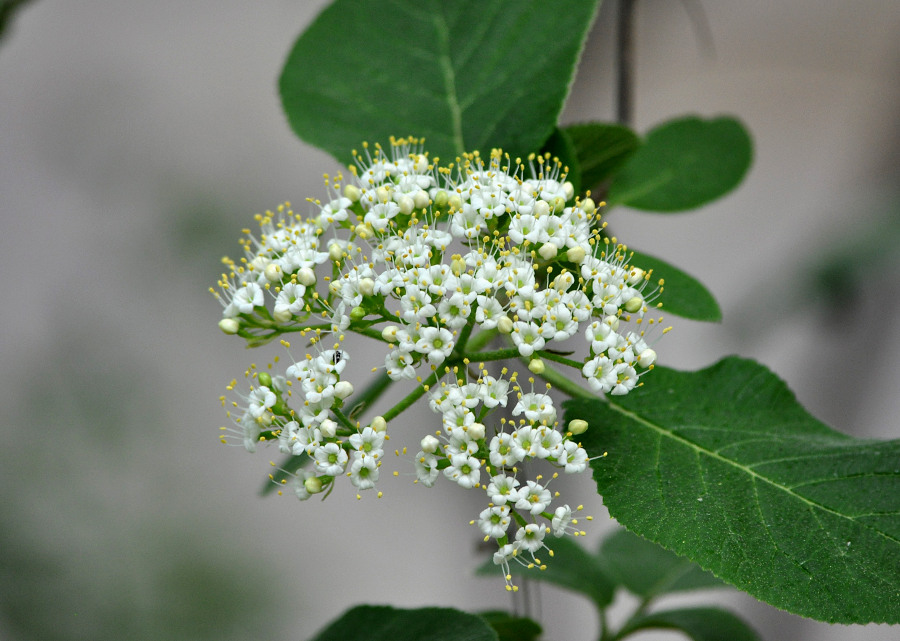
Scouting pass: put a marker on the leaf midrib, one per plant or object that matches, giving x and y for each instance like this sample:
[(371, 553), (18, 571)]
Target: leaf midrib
[(663, 432)]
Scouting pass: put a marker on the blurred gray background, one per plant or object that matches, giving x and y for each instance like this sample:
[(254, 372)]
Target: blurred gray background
[(138, 138)]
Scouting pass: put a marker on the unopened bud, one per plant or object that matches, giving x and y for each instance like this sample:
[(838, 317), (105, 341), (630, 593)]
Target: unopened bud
[(504, 325), (379, 424), (357, 314), (455, 202), (647, 358), (407, 205), (558, 204), (230, 325), (429, 444), (421, 200), (634, 304), (328, 428), (335, 252), (541, 208), (576, 254), (441, 198), (282, 315), (476, 431), (366, 286), (389, 333), (421, 164), (457, 264), (313, 485), (306, 277), (273, 272), (343, 389), (635, 276), (352, 192), (588, 206), (383, 194), (264, 378), (548, 251), (578, 426), (537, 366), (568, 190), (362, 230)]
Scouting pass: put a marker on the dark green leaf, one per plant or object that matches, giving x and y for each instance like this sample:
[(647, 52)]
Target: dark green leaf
[(383, 623), (560, 145), (725, 467), (283, 472), (510, 628), (648, 570), (470, 74), (682, 295), (699, 624), (571, 567), (683, 164), (601, 149)]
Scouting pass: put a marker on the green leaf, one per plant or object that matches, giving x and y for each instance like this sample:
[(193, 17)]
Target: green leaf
[(283, 472), (560, 145), (571, 567), (649, 570), (682, 295), (601, 149), (510, 628), (683, 164), (723, 466), (383, 623), (699, 624), (466, 75)]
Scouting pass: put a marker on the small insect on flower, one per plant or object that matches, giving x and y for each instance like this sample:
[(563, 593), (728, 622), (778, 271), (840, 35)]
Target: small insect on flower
[(336, 357)]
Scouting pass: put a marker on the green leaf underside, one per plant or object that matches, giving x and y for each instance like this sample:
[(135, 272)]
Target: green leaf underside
[(648, 570), (725, 467), (683, 164), (510, 628), (383, 623), (601, 149), (699, 624), (571, 567), (465, 75), (682, 295)]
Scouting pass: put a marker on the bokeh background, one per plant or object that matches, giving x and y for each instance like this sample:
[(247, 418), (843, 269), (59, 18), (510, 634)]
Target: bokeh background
[(137, 139)]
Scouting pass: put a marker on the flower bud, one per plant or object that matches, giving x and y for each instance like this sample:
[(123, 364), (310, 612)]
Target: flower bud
[(634, 304), (429, 444), (313, 485), (568, 190), (352, 192), (343, 389), (383, 194), (476, 431), (306, 277), (635, 276), (265, 379), (421, 200), (379, 424), (230, 325), (366, 286), (455, 202), (335, 252), (613, 322), (578, 426), (504, 325), (548, 251), (576, 254), (647, 358), (357, 314), (537, 366), (273, 272), (362, 230), (541, 208), (588, 206), (558, 204), (407, 205), (328, 428), (282, 315), (457, 264), (389, 333), (441, 198), (421, 164)]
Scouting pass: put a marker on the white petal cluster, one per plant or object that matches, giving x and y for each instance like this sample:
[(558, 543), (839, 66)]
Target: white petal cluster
[(431, 259)]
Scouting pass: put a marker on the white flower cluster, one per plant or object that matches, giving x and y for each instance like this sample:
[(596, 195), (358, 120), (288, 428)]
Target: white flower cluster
[(437, 263)]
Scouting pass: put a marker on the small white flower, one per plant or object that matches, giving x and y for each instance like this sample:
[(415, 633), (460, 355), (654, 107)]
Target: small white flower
[(494, 521), (330, 459), (533, 498), (464, 469)]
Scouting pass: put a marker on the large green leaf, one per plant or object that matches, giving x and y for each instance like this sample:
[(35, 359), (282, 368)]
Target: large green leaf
[(683, 164), (682, 294), (383, 623), (511, 628), (571, 567), (469, 74), (725, 467), (699, 624), (601, 149), (648, 570)]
